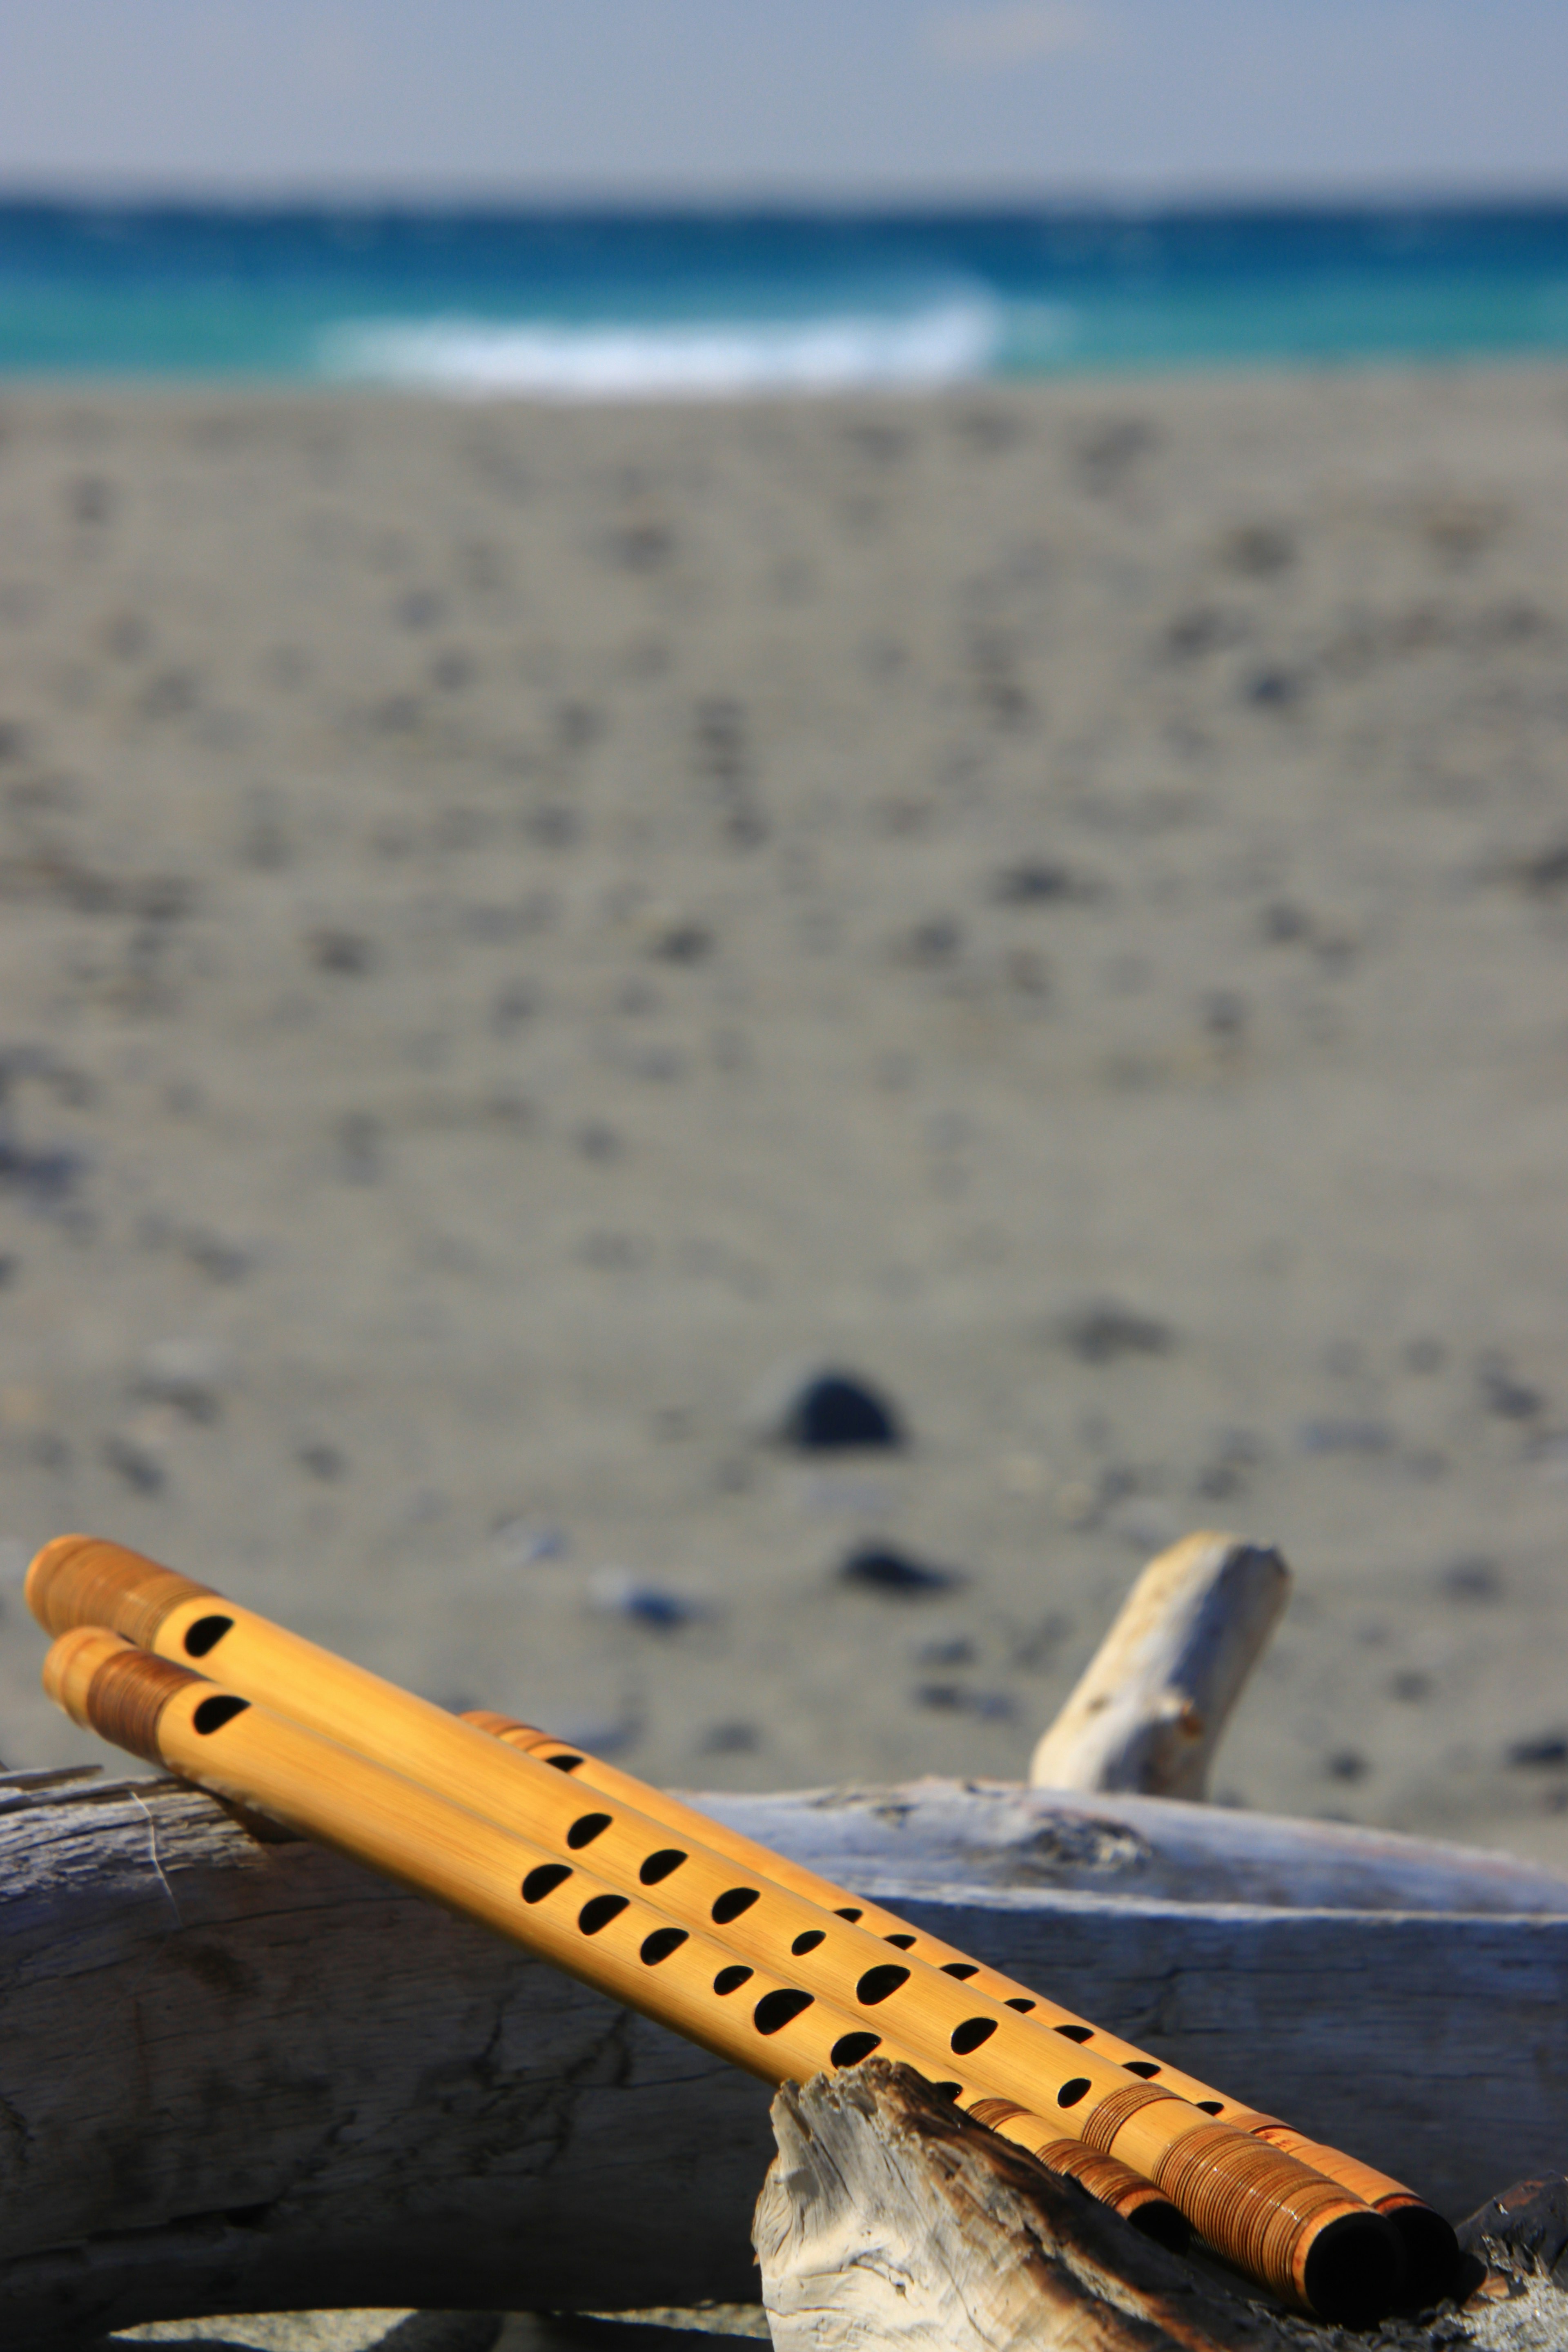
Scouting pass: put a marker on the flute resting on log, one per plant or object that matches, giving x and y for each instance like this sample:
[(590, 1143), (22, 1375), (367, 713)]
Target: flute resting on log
[(496, 1825)]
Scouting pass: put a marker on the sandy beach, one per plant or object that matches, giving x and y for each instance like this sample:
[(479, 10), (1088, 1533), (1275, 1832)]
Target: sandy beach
[(518, 926)]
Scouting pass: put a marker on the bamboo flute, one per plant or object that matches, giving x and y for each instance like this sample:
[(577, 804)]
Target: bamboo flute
[(943, 2009), (1430, 2247), (1316, 2246), (79, 1578)]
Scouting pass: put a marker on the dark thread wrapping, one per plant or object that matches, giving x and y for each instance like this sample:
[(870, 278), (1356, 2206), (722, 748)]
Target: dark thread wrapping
[(127, 1695), (1251, 2202), (101, 1583), (1105, 2177), (1101, 2128)]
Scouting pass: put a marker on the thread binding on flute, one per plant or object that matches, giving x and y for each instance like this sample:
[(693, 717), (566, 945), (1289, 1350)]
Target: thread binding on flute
[(127, 1695), (1101, 2127), (83, 1580)]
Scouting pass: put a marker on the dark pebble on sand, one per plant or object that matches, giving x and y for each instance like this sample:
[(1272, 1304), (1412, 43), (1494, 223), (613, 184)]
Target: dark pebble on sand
[(835, 1413), (1273, 689), (343, 952), (957, 1699), (880, 1569), (1547, 1752), (1036, 882), (1346, 1764), (140, 1469), (323, 1461), (1509, 1399), (1470, 1580), (1100, 1334), (1345, 1437), (729, 1740)]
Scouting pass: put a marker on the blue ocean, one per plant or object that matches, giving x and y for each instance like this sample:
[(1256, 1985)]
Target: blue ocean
[(608, 306)]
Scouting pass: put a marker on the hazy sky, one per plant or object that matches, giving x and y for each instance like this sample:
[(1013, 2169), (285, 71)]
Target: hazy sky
[(790, 98)]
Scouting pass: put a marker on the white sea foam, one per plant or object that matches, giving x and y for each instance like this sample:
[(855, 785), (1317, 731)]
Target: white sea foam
[(948, 342)]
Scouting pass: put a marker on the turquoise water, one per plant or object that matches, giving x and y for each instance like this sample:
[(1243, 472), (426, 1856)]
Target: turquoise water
[(601, 304)]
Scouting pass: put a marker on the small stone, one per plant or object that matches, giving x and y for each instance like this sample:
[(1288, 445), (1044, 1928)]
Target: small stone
[(140, 1470), (615, 1592), (1509, 1399), (990, 1705), (1547, 1752), (880, 1569), (833, 1412), (1346, 1764), (1099, 1333), (729, 1740), (1472, 1580), (323, 1461), (1345, 1437)]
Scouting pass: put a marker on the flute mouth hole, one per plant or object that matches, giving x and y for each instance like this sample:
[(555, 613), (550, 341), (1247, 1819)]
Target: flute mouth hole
[(808, 1942), (660, 1865), (732, 1979), (598, 1912), (775, 2010), (1071, 2093), (214, 1713), (1069, 2032), (731, 1906), (971, 2034), (660, 1944), (206, 1634), (878, 1983), (544, 1881), (585, 1830), (850, 2048), (962, 1970)]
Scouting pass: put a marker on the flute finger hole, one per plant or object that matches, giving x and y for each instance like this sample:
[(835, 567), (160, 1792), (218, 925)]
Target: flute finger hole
[(962, 1970), (903, 1943), (775, 2010), (971, 2034), (809, 1942), (599, 1911), (583, 1831), (851, 1912), (732, 1979), (564, 1762), (1210, 2107), (1070, 2032), (1023, 2007), (850, 2048), (544, 1881), (878, 1983), (660, 1865), (1071, 2093), (731, 1906), (206, 1634), (1144, 2067), (660, 1944), (214, 1713)]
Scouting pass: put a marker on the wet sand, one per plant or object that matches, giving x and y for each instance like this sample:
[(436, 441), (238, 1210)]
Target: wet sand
[(520, 925)]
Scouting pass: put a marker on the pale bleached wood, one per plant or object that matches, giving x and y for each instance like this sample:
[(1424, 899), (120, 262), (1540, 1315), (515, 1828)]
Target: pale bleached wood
[(237, 2075), (1151, 1706), (888, 2220)]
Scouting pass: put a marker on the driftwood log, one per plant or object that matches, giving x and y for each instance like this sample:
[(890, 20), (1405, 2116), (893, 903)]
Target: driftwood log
[(1151, 1704), (888, 2219), (242, 2074)]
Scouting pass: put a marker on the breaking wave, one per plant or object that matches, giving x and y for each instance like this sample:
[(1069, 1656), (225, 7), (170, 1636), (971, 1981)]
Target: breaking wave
[(948, 342)]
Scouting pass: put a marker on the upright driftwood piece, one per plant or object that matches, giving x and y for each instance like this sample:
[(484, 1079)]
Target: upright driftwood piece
[(1152, 1702), (889, 2219)]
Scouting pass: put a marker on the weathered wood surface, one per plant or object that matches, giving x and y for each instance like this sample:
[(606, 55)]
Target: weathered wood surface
[(888, 2219), (238, 2075), (1148, 1710)]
